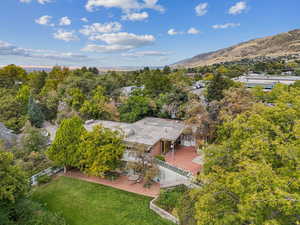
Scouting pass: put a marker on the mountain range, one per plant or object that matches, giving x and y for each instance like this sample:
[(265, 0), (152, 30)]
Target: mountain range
[(282, 44)]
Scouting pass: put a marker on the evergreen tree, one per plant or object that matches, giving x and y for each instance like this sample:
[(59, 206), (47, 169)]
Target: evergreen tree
[(216, 87), (35, 114), (64, 148)]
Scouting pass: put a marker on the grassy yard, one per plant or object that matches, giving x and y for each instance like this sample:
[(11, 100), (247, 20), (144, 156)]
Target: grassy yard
[(84, 203)]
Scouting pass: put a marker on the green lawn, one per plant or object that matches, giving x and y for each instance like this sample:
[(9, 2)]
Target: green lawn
[(84, 203)]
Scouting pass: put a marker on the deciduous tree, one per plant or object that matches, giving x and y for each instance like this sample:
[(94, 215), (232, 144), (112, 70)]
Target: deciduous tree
[(100, 151), (251, 174)]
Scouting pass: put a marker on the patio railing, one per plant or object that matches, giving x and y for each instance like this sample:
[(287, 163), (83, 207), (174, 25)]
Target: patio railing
[(50, 171)]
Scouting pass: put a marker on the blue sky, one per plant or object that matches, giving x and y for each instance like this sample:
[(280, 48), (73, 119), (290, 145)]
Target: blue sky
[(133, 32)]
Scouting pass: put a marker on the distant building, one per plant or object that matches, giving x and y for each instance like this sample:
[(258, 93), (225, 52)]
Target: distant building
[(266, 81)]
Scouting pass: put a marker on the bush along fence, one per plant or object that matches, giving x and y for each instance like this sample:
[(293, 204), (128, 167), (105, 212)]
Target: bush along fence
[(163, 213), (48, 172)]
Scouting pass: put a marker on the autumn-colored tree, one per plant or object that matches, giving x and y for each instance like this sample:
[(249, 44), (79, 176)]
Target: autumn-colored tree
[(235, 101), (201, 126), (144, 164)]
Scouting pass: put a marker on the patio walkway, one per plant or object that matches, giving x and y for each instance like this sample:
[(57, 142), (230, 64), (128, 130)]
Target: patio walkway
[(183, 159), (121, 183)]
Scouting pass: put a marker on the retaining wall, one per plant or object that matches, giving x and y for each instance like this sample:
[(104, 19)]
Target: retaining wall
[(163, 213)]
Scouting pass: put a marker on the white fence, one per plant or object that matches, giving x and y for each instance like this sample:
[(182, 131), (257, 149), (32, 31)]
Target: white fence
[(50, 172)]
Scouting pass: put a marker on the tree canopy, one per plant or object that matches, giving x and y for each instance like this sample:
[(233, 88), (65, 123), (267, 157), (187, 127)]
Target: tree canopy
[(13, 182), (100, 151), (251, 174), (64, 149)]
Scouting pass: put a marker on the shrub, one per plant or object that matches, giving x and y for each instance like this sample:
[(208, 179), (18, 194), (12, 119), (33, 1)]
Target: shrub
[(43, 179), (160, 157), (150, 174), (32, 213), (169, 198), (110, 175)]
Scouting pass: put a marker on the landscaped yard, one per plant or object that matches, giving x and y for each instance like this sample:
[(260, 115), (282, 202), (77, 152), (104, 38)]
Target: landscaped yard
[(84, 203)]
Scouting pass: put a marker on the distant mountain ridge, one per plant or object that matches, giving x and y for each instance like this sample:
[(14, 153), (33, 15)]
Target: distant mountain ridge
[(282, 44)]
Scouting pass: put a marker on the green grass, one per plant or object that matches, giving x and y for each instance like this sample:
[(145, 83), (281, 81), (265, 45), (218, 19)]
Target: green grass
[(84, 203)]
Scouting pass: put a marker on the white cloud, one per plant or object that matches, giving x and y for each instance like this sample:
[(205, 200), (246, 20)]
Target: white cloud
[(44, 1), (8, 49), (172, 32), (44, 20), (125, 5), (106, 48), (238, 8), (65, 35), (145, 53), (124, 38), (152, 4), (97, 28), (193, 30), (136, 16), (65, 21), (25, 1), (201, 9), (225, 26), (83, 19), (117, 42)]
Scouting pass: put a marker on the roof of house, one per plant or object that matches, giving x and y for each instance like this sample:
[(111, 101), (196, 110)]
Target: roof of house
[(267, 81), (147, 131)]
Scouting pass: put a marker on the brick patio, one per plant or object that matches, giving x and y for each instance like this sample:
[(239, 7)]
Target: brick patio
[(121, 183), (183, 158)]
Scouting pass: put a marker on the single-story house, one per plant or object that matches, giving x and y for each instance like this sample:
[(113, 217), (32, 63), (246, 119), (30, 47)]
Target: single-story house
[(158, 136)]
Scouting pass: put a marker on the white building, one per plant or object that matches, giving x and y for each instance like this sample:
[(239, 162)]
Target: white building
[(266, 81)]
